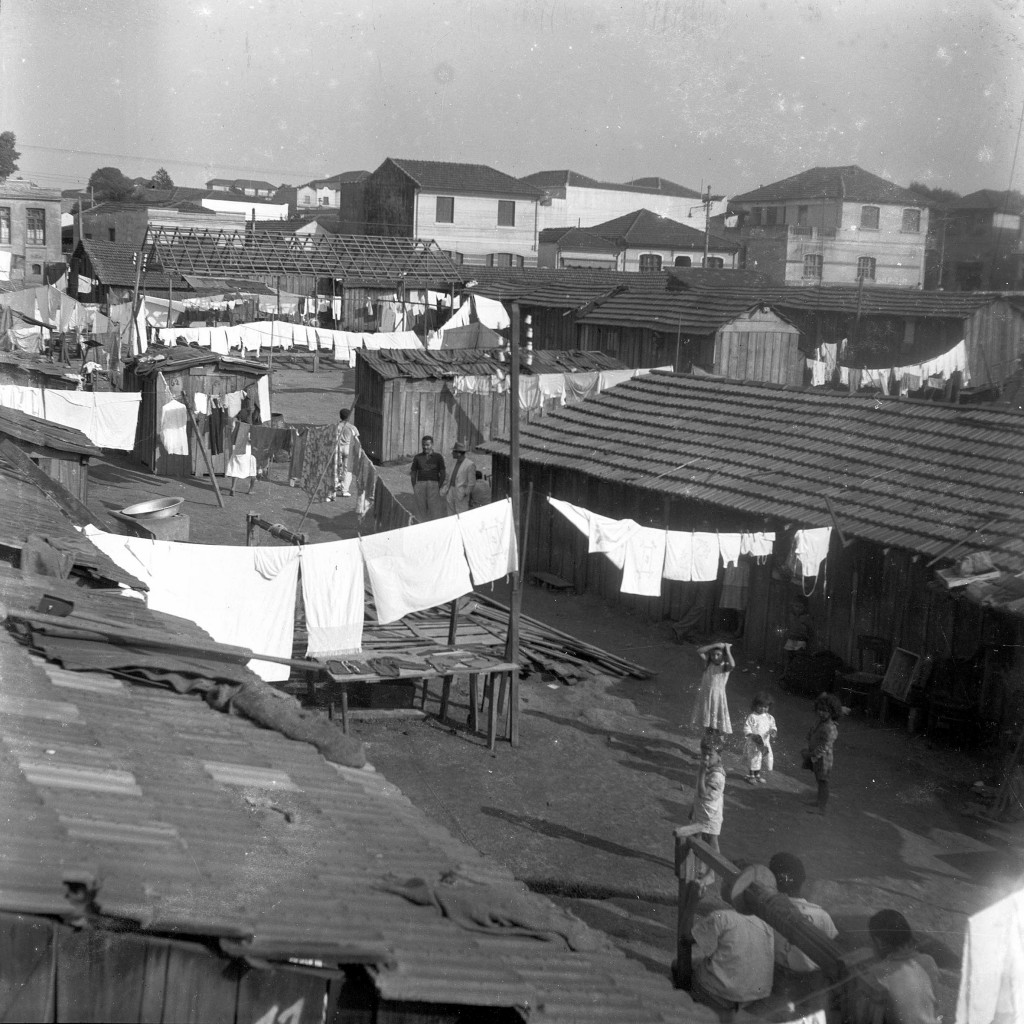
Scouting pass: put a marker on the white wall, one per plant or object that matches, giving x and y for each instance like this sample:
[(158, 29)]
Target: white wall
[(264, 211), (585, 207), (474, 231)]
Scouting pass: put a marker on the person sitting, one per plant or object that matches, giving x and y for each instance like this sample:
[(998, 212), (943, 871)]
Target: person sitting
[(733, 953), (908, 977), (796, 975)]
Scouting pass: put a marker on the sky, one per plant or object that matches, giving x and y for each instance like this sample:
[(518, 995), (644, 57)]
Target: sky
[(730, 94)]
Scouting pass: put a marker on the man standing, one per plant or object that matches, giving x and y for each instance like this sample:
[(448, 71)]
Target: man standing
[(460, 484), (427, 474)]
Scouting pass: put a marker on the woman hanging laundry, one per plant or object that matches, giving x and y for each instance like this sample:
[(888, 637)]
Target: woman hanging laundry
[(242, 463)]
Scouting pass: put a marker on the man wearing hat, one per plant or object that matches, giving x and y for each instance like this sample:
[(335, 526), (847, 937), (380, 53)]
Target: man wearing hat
[(797, 976), (457, 491)]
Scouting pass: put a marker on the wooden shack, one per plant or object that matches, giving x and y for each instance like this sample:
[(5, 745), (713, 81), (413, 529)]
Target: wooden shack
[(61, 452), (403, 394), (908, 487), (33, 371), (179, 372)]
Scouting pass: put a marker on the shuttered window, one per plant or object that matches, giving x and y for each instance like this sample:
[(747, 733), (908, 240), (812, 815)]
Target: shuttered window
[(445, 210)]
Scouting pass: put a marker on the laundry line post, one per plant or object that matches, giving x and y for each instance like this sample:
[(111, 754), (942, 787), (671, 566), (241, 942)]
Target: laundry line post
[(515, 604), (202, 448)]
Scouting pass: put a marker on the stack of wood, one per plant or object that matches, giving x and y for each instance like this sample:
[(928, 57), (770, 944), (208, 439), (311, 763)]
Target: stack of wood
[(483, 622)]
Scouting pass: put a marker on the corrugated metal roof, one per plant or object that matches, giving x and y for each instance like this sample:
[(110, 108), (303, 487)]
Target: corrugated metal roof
[(686, 313), (175, 358), (916, 475), (439, 364), (33, 430), (196, 822), (850, 183)]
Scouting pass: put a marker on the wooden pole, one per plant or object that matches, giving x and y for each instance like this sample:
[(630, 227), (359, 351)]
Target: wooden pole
[(133, 329), (707, 227), (202, 448), (516, 595)]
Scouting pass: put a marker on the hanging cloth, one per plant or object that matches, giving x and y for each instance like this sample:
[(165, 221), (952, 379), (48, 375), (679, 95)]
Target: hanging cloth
[(643, 562), (489, 540), (334, 594)]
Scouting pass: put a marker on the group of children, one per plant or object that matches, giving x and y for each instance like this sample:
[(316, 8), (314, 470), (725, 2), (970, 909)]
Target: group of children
[(711, 712)]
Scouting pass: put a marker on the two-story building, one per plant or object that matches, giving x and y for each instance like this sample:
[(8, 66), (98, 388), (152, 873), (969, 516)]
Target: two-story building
[(832, 225), (574, 200), (340, 195), (243, 186), (476, 214), (641, 240), (29, 231), (981, 242)]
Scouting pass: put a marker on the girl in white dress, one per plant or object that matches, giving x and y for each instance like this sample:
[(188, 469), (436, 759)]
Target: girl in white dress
[(712, 709), (760, 732)]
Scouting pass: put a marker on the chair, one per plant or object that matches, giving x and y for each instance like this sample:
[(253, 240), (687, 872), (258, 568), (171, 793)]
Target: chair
[(863, 688)]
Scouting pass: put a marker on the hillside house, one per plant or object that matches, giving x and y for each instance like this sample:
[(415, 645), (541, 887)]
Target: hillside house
[(641, 240), (476, 214), (832, 225), (982, 244)]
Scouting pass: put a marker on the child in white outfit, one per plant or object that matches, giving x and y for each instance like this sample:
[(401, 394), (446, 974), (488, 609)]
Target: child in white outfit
[(760, 732)]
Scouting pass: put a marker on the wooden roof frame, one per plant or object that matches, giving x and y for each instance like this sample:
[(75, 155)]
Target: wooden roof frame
[(218, 253)]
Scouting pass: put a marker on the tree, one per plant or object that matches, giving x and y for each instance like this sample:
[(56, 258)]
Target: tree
[(940, 197), (8, 155), (108, 183), (161, 179)]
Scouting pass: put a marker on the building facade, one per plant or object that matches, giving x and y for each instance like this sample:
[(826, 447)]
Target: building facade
[(641, 241), (832, 225), (981, 242), (476, 214), (29, 231)]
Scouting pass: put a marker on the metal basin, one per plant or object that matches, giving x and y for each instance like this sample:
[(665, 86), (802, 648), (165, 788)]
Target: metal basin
[(155, 508)]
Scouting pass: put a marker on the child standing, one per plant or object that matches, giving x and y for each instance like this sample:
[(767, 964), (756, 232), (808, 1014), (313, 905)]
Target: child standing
[(709, 793), (760, 732), (820, 741), (712, 708)]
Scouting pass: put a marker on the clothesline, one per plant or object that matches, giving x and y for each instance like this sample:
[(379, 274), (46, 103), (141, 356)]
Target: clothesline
[(647, 555), (108, 418), (906, 378), (246, 596)]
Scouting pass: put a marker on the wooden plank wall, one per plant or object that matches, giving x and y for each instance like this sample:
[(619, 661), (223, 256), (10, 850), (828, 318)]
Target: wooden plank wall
[(553, 329), (769, 356), (995, 343), (864, 590)]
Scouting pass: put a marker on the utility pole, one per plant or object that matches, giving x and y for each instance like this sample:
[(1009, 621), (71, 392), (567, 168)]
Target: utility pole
[(516, 596), (707, 225)]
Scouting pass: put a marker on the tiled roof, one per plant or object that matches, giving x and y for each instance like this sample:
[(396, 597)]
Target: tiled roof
[(344, 178), (578, 238), (439, 364), (852, 184), (989, 199), (642, 227), (676, 312), (192, 822), (114, 264), (559, 179), (665, 187), (241, 183), (916, 475), (437, 175)]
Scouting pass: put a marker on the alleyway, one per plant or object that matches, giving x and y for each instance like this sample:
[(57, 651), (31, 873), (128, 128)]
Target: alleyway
[(584, 809)]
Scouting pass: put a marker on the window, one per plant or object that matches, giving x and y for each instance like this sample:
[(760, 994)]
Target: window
[(504, 259), (445, 210), (801, 216), (37, 270), (35, 227), (812, 265), (912, 221), (713, 263), (506, 213), (683, 261), (650, 262), (771, 216), (112, 234), (455, 257), (307, 200), (755, 217), (866, 268), (5, 225), (869, 217), (325, 200)]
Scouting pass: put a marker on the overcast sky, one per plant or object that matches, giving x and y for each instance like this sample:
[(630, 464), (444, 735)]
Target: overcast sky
[(727, 93)]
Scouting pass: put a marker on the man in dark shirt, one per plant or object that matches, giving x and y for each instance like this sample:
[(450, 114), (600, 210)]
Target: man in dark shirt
[(427, 474)]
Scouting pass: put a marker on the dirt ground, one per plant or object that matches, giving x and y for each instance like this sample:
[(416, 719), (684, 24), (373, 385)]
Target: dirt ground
[(583, 809)]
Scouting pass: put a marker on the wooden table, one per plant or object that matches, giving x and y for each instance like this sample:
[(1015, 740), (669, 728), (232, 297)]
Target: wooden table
[(497, 676)]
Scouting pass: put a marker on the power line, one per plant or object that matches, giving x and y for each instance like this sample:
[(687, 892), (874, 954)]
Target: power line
[(159, 161)]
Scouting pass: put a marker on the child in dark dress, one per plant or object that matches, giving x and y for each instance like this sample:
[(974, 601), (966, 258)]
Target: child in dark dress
[(820, 741)]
